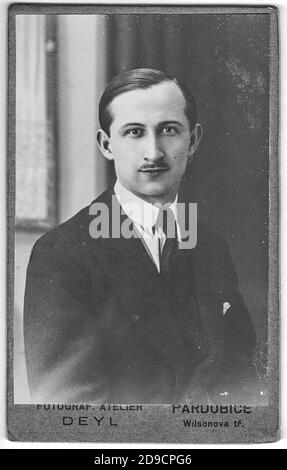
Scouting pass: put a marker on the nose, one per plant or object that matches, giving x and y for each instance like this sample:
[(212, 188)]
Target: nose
[(152, 150)]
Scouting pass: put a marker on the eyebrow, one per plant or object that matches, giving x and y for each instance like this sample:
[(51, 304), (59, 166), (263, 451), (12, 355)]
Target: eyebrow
[(163, 123), (132, 124)]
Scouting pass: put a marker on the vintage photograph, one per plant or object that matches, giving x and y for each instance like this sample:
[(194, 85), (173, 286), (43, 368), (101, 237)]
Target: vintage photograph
[(140, 226)]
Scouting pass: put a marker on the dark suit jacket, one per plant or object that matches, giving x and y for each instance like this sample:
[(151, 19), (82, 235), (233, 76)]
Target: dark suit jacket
[(99, 327)]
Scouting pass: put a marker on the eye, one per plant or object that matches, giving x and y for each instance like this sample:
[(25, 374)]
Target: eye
[(134, 132), (169, 131)]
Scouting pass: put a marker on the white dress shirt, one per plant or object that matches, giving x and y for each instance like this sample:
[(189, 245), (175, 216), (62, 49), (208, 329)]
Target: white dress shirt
[(144, 216)]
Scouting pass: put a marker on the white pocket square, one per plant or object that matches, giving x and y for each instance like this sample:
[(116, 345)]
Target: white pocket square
[(226, 306)]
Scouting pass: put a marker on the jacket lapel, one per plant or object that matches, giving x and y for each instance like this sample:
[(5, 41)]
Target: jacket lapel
[(140, 290)]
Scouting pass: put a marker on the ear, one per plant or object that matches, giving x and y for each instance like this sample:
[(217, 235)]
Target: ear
[(104, 143), (195, 138)]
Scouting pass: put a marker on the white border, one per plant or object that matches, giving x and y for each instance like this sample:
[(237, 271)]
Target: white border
[(4, 443)]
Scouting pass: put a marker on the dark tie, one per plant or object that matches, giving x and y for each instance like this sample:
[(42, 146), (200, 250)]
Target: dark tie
[(166, 221)]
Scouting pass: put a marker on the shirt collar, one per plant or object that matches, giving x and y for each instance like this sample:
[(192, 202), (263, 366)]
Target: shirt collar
[(139, 211)]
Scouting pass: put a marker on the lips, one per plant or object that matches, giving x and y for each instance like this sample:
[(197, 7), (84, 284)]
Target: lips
[(154, 170)]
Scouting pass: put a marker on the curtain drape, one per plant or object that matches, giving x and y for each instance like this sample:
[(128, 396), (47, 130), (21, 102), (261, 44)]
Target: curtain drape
[(33, 129)]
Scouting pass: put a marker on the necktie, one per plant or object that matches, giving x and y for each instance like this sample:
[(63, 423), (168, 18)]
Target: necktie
[(167, 223)]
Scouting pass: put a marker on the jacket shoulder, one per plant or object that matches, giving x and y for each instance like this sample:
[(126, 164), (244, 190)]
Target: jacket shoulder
[(67, 233), (71, 233)]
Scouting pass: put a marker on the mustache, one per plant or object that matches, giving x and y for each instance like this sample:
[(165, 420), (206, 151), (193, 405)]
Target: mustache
[(154, 167)]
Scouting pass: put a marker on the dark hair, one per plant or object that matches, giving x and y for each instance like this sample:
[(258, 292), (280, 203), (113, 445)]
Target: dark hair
[(140, 79)]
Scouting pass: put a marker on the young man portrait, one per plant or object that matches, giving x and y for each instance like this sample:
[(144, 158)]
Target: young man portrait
[(138, 319)]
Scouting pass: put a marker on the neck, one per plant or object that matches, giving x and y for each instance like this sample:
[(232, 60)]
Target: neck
[(160, 199)]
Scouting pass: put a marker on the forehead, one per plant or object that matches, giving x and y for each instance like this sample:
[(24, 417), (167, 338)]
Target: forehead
[(163, 101)]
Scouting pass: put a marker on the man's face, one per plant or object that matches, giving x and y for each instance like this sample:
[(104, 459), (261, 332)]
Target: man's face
[(150, 140)]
